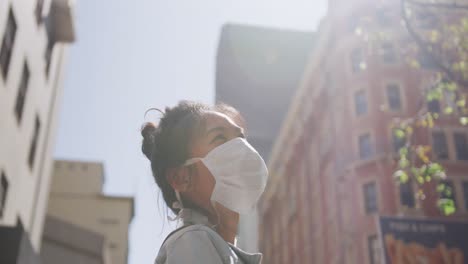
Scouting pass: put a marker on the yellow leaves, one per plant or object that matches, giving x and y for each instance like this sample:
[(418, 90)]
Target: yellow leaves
[(422, 152), (414, 64), (448, 110), (434, 36)]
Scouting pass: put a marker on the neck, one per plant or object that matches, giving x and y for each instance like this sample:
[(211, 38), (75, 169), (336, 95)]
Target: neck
[(226, 222)]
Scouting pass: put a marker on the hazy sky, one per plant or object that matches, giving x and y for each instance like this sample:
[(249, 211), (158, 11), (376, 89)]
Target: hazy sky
[(135, 54)]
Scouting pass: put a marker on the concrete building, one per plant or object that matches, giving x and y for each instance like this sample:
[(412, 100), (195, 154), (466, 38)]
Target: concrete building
[(257, 72), (331, 166), (34, 37), (64, 242), (76, 197)]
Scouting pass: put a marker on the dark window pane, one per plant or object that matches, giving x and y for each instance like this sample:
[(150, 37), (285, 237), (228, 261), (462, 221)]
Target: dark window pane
[(38, 10), (388, 53), (433, 106), (465, 193), (34, 142), (427, 62), (360, 102), (370, 196), (461, 146), (398, 143), (365, 147), (439, 145), (357, 60), (3, 193), (407, 194), (394, 99), (22, 91), (7, 44), (50, 45)]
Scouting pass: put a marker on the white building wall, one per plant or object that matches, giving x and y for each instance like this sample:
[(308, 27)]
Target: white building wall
[(28, 188)]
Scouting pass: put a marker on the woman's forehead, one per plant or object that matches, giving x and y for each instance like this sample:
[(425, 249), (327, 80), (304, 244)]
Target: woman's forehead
[(213, 119)]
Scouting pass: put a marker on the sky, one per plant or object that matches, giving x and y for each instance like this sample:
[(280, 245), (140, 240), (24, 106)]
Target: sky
[(131, 55)]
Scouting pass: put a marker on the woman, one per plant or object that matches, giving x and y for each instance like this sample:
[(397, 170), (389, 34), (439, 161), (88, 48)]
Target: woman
[(208, 175)]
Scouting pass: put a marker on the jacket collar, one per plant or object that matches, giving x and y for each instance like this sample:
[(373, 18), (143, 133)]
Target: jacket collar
[(193, 217)]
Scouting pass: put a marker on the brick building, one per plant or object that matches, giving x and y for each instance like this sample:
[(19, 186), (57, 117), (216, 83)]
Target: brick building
[(331, 166)]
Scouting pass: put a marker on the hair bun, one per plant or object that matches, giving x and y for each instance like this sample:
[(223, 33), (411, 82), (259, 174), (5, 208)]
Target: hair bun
[(148, 131)]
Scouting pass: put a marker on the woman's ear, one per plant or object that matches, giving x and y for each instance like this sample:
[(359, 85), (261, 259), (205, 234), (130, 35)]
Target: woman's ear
[(178, 178)]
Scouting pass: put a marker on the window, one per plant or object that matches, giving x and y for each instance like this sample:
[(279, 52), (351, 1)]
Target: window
[(34, 142), (407, 194), (433, 106), (370, 197), (394, 97), (38, 10), (398, 142), (360, 102), (22, 91), (461, 145), (375, 253), (3, 193), (439, 145), (427, 62), (357, 63), (365, 146), (449, 192), (465, 193), (388, 53), (7, 44)]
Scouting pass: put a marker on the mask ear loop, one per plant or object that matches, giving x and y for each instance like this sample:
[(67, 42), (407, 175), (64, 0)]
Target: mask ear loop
[(177, 205)]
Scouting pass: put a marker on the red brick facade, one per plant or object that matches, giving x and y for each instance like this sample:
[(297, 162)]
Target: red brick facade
[(314, 209)]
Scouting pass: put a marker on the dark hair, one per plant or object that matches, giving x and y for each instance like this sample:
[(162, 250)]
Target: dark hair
[(167, 144)]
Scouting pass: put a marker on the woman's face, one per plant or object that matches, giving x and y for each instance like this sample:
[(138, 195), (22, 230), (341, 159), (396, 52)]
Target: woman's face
[(216, 130)]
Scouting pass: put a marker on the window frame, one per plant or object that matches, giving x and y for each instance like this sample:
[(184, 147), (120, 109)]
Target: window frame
[(372, 146), (402, 96), (365, 94), (367, 209)]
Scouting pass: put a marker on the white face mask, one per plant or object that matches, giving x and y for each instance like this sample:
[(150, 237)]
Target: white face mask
[(240, 173)]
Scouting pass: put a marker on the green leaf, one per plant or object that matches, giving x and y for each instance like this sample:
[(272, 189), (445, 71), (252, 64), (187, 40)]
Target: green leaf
[(440, 187), (399, 133), (420, 179), (464, 120), (403, 163), (403, 151), (447, 206), (448, 110), (401, 176), (434, 168)]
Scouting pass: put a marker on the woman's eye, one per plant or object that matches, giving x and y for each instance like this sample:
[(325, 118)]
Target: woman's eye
[(219, 138)]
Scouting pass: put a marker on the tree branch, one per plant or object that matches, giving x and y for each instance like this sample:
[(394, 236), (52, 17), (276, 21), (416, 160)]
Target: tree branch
[(424, 47)]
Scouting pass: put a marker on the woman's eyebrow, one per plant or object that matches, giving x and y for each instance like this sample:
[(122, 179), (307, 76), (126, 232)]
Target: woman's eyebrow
[(214, 129)]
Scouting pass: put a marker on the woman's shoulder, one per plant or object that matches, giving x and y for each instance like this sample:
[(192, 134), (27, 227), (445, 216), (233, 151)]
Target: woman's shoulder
[(195, 242)]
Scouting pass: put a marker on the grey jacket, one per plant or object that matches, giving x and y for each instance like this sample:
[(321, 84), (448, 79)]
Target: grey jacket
[(199, 243)]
